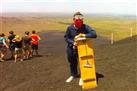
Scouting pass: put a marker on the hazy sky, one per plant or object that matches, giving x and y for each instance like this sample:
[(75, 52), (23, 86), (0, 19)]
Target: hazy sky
[(70, 6)]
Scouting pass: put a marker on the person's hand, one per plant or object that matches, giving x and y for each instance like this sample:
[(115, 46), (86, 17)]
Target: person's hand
[(7, 46), (76, 37), (80, 36), (75, 43)]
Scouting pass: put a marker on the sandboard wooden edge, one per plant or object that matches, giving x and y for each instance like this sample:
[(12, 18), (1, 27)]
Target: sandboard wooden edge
[(88, 74)]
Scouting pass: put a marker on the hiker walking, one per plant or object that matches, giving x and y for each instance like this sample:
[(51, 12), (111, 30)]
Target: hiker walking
[(35, 42), (3, 47), (27, 45), (11, 43), (18, 48)]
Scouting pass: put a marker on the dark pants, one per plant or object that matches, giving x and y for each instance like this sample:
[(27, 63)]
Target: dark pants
[(12, 47), (73, 60), (34, 47)]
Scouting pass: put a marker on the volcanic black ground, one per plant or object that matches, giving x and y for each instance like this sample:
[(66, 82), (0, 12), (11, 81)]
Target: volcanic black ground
[(116, 67)]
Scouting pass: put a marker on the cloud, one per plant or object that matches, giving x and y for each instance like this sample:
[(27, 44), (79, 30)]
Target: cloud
[(36, 0), (106, 1)]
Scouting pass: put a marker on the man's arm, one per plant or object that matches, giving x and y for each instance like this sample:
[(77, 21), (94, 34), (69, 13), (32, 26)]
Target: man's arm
[(67, 37), (91, 32), (4, 42), (38, 38), (14, 40)]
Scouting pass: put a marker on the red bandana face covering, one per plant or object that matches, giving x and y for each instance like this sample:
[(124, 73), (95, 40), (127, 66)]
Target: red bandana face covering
[(78, 23)]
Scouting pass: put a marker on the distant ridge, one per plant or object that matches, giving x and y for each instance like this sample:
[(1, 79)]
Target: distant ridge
[(60, 14)]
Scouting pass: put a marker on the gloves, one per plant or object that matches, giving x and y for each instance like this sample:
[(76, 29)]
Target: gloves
[(80, 36)]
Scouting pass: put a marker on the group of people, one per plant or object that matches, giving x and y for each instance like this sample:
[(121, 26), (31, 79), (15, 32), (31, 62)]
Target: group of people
[(25, 46), (20, 47)]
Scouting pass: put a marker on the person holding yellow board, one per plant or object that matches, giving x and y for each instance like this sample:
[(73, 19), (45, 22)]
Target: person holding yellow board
[(72, 33)]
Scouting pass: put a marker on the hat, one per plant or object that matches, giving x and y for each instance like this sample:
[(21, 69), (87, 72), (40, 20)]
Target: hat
[(78, 15)]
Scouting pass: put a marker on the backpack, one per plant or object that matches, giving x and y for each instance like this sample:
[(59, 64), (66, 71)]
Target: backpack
[(1, 41), (27, 40)]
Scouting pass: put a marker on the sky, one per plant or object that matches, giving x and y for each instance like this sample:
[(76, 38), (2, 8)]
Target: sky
[(126, 7)]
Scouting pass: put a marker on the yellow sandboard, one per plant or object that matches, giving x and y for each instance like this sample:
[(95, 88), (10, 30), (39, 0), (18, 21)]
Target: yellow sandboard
[(87, 65)]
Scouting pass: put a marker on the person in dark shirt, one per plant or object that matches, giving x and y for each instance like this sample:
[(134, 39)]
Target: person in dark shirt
[(27, 45), (11, 44), (78, 27), (18, 48)]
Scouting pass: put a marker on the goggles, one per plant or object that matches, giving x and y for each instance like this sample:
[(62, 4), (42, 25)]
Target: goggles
[(78, 17)]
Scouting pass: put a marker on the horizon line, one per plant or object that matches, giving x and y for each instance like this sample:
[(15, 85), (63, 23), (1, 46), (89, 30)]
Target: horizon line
[(113, 14)]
